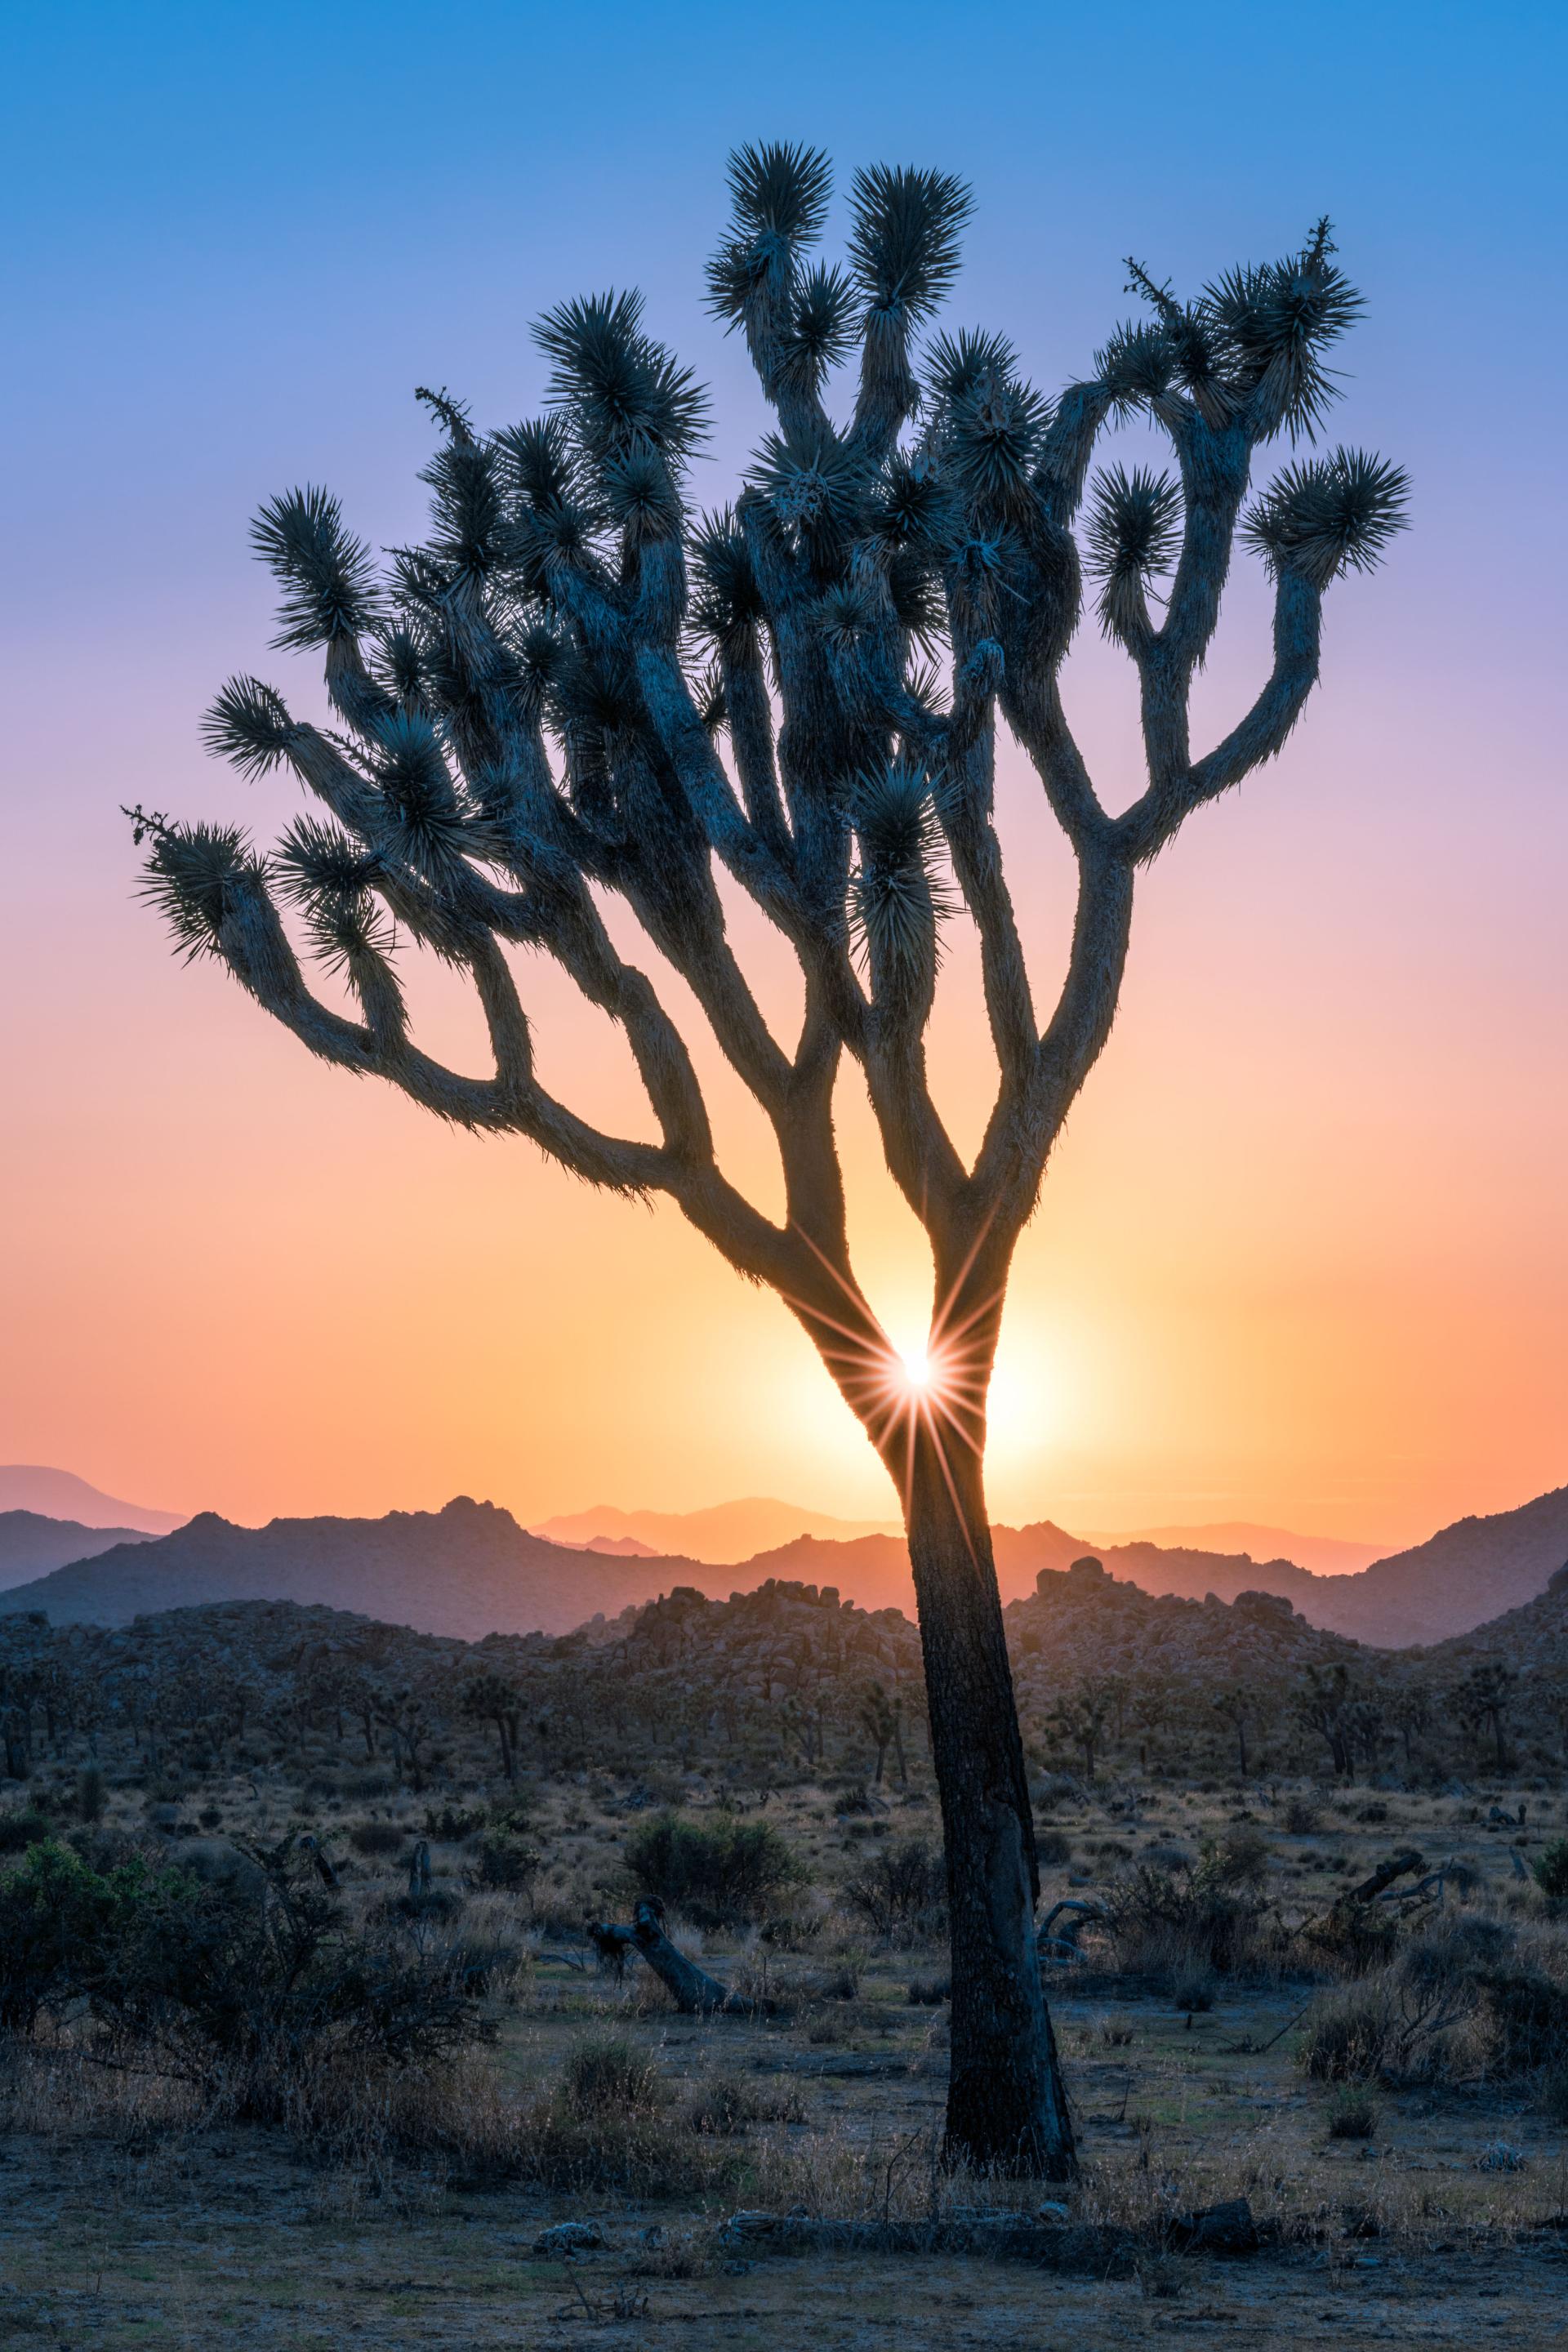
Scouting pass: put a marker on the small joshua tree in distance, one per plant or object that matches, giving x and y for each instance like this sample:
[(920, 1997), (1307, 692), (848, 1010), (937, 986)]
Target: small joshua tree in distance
[(531, 708)]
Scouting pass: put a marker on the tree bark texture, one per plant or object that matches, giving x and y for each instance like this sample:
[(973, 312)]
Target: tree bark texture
[(1006, 2106)]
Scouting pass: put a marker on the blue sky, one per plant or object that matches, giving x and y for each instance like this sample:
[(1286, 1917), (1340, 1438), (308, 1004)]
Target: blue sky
[(233, 238)]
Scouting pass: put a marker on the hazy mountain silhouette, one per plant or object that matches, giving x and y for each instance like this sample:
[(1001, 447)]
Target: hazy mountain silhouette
[(1324, 1555), (724, 1531), (31, 1545), (61, 1495), (470, 1569)]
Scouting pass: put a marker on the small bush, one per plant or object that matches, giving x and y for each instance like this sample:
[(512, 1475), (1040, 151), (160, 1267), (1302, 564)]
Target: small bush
[(1054, 1849), (1194, 1995), (929, 1992), (724, 1873), (1550, 1870), (22, 1826), (452, 1823), (506, 1863), (899, 1893), (608, 2076), (725, 2104), (1352, 2116), (1301, 1817), (91, 1793), (377, 1838)]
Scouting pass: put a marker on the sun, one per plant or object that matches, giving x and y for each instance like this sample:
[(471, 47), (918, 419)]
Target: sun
[(918, 1371)]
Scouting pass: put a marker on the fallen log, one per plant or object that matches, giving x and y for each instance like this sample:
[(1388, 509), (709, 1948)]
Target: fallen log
[(694, 1992)]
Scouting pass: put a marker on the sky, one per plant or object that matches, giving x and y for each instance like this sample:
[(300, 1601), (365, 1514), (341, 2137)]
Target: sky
[(1300, 1255)]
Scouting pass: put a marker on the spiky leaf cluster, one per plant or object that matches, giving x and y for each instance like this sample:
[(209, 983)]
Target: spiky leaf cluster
[(194, 878), (897, 901), (1338, 514), (325, 573), (1133, 533), (321, 870)]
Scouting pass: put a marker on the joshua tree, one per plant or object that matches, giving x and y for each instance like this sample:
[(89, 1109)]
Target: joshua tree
[(529, 711)]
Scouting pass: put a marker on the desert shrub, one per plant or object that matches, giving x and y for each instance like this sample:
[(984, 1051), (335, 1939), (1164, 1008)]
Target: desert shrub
[(1550, 1870), (929, 1992), (840, 1982), (725, 2104), (1193, 1994), (91, 1793), (57, 1916), (721, 1874), (603, 2075), (1522, 2015), (901, 1891), (1053, 1848), (1353, 2115), (22, 1826), (1350, 2036), (1455, 2003), (1555, 2094), (1201, 1917), (376, 1838), (253, 1996), (507, 1864), (1301, 1817), (453, 1823)]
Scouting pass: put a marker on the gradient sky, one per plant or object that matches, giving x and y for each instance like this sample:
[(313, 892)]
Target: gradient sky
[(1301, 1254)]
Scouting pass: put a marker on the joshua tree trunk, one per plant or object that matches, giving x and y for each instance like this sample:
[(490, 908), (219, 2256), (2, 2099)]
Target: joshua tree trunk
[(1006, 2106)]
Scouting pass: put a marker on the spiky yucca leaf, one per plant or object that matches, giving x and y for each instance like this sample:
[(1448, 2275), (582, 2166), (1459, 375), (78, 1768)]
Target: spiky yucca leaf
[(536, 460), (909, 505), (1276, 322), (326, 574), (640, 496), (710, 698), (1137, 366), (904, 243), (779, 199), (428, 827), (249, 726), (727, 610), (813, 483), (1333, 515), (194, 874), (897, 902), (469, 525), (782, 187), (330, 878), (1132, 531), (821, 333), (953, 365), (614, 386), (845, 614), (395, 660), (992, 440)]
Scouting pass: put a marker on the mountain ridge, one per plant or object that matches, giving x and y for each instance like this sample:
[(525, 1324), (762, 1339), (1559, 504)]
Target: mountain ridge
[(470, 1569)]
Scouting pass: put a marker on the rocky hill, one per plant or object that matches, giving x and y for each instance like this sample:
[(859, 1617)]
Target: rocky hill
[(32, 1545), (470, 1569), (466, 1571)]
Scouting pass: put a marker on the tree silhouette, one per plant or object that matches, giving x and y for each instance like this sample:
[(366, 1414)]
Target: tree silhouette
[(528, 712)]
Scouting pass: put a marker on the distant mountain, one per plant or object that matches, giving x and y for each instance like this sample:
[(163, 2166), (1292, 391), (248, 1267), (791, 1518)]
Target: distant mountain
[(466, 1571), (1475, 1570), (1324, 1555), (61, 1495), (31, 1545), (470, 1569), (725, 1531)]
